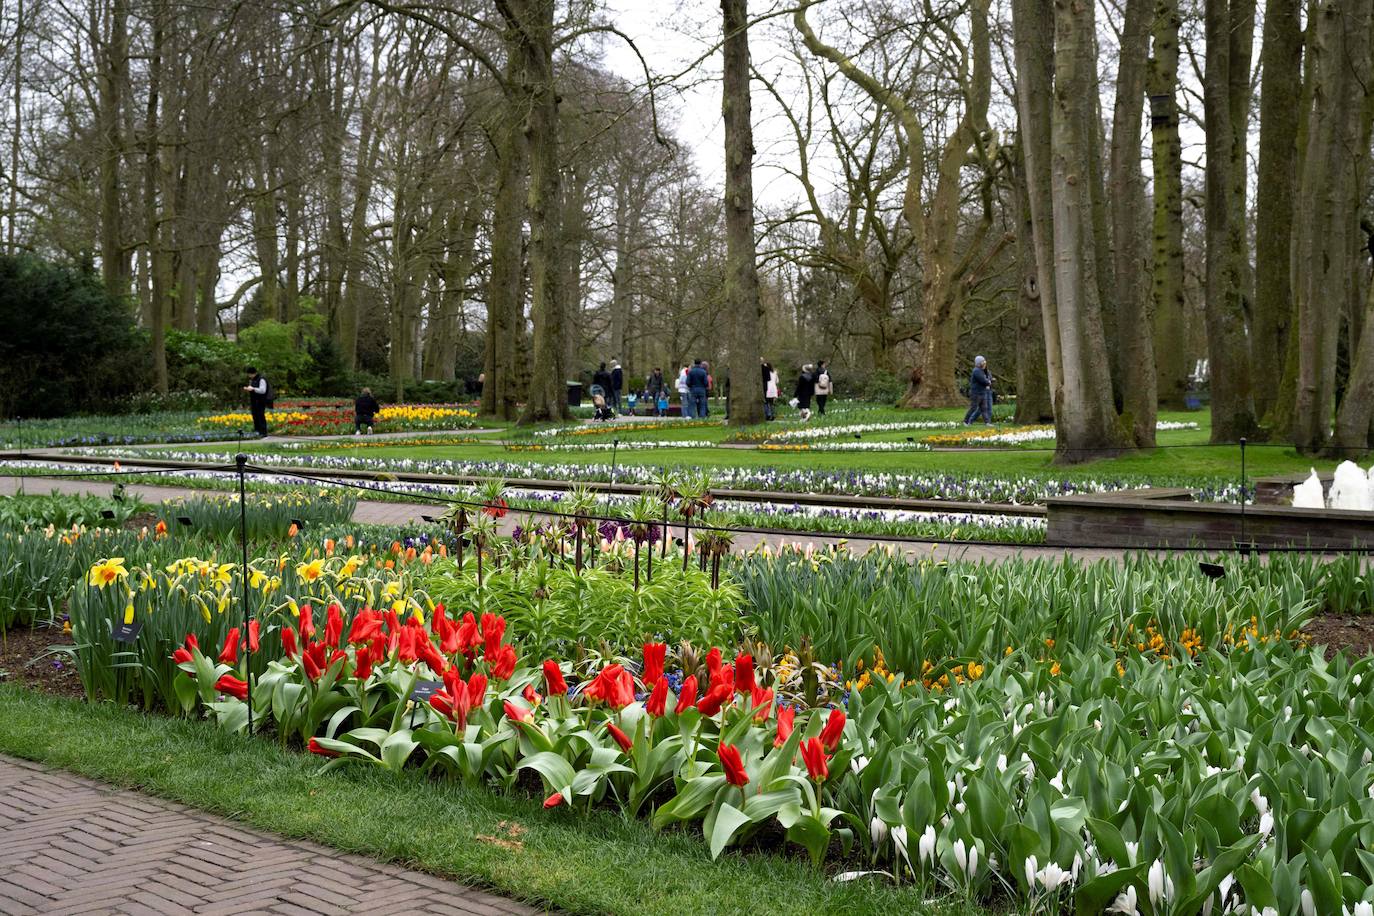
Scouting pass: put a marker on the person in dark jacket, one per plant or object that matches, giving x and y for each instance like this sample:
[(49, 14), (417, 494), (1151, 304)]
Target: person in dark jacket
[(806, 388), (617, 383), (365, 410), (602, 379), (656, 390), (698, 384), (257, 389), (979, 392)]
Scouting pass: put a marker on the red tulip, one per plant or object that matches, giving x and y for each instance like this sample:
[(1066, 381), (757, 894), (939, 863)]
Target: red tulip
[(503, 666), (620, 737), (181, 656), (229, 655), (393, 630), (713, 660), (687, 697), (554, 685), (477, 690), (442, 702), (787, 715), (654, 654), (613, 686), (408, 644), (744, 673), (657, 703), (554, 800), (367, 626), (254, 643), (288, 642), (306, 624), (467, 634), (430, 655), (813, 753), (316, 748), (333, 625), (762, 700), (834, 728), (723, 676), (233, 686), (531, 695), (732, 764), (493, 628), (516, 712), (362, 668), (315, 661), (715, 698), (192, 642)]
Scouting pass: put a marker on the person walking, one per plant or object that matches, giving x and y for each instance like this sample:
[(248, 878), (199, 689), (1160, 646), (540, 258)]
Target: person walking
[(806, 388), (365, 409), (770, 389), (698, 385), (259, 399), (602, 379), (684, 394), (823, 386), (656, 389), (979, 392), (617, 384)]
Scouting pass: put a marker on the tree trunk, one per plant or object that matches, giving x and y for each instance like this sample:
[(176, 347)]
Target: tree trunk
[(152, 175), (547, 396), (1086, 422), (1033, 402), (1226, 101), (115, 267), (1033, 27), (1134, 334), (1167, 272), (505, 303), (741, 271), (1281, 71), (574, 235)]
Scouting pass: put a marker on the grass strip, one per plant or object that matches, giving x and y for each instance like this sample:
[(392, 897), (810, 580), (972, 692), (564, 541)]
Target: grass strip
[(602, 863)]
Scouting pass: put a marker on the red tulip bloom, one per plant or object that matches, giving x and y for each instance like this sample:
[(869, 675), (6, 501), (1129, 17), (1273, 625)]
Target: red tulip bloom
[(715, 698), (306, 624), (531, 695), (834, 728), (554, 800), (288, 642), (181, 656), (744, 673), (315, 661), (442, 702), (333, 625), (316, 748), (554, 684), (393, 630), (430, 655), (762, 700), (722, 675), (516, 712), (503, 665), (477, 690), (362, 668), (657, 703), (408, 644), (192, 642), (229, 655), (654, 655), (613, 686), (713, 660), (813, 754), (233, 686), (254, 641), (620, 737), (493, 628), (367, 626), (787, 716), (687, 697), (467, 634), (732, 764)]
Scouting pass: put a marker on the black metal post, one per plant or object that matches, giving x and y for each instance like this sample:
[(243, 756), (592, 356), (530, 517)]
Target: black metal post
[(615, 448), (637, 563), (241, 460), (1244, 543), (686, 538)]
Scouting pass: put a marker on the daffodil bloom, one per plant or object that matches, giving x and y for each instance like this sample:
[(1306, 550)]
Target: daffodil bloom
[(310, 571), (107, 572), (129, 613)]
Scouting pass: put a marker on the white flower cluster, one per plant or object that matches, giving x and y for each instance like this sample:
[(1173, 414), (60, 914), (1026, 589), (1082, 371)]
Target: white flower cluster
[(628, 446), (1046, 434), (807, 433)]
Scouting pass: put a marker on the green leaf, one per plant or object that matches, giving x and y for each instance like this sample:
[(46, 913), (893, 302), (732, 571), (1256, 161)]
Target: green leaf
[(813, 835), (557, 772), (729, 819), (690, 801)]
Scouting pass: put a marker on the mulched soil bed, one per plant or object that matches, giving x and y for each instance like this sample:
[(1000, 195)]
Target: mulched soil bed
[(1351, 633), (22, 661)]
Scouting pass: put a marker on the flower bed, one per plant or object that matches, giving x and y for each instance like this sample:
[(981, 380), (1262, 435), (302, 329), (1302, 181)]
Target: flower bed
[(336, 418), (1022, 435)]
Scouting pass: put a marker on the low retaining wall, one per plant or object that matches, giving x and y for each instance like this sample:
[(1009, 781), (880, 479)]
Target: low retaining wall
[(1278, 490), (1162, 517)]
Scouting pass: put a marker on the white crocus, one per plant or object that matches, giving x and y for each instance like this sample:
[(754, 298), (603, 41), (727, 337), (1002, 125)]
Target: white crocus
[(1309, 906), (1052, 877), (925, 845), (1363, 908), (1266, 824), (1031, 870), (973, 862), (961, 855), (899, 840), (1058, 782), (877, 831), (1125, 903), (1160, 886)]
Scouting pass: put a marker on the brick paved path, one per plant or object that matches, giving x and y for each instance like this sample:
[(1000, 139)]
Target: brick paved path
[(71, 846)]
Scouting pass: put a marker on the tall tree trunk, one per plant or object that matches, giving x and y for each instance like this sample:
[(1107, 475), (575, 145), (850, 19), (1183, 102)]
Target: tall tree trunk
[(505, 288), (741, 271), (570, 287), (1326, 227), (442, 349), (1033, 29), (115, 266), (17, 115), (152, 176), (547, 396), (1086, 422), (622, 276), (1167, 272), (1226, 96), (1033, 402), (1281, 71), (1134, 333)]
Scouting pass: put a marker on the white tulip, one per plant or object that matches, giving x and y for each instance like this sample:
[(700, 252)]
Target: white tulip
[(925, 846), (1031, 871), (1058, 781), (972, 862), (1259, 801), (877, 830), (1266, 824), (1001, 763), (1363, 908), (1309, 906), (961, 855), (899, 840), (1052, 876), (1132, 849)]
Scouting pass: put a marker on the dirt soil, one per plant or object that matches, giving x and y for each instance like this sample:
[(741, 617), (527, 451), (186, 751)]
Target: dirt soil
[(1351, 633), (24, 660)]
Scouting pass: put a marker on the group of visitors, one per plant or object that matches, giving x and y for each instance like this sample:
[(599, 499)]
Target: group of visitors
[(261, 397), (813, 383), (695, 385)]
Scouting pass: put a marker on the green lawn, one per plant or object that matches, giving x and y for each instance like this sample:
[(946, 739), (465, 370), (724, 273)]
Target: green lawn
[(598, 864)]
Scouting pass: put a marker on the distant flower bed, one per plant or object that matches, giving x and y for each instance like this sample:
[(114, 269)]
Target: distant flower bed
[(310, 418)]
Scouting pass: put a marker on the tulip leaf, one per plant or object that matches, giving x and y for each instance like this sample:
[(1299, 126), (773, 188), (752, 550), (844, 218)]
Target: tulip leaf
[(397, 748), (729, 819), (810, 833), (1092, 897), (557, 772), (690, 801)]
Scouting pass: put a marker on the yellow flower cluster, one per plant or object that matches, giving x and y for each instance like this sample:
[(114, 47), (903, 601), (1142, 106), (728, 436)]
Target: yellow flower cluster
[(974, 435), (232, 420), (422, 413), (784, 447)]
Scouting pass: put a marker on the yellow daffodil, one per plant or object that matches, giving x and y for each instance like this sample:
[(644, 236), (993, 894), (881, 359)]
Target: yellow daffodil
[(129, 613), (310, 571), (107, 572)]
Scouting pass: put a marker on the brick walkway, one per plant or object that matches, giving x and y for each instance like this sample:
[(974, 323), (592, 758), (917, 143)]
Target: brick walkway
[(76, 846)]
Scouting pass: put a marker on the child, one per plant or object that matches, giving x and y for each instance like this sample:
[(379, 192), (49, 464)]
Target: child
[(663, 401)]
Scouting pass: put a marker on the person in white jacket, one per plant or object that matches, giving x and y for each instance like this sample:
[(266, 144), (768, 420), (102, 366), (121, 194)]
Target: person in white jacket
[(824, 388), (684, 396), (770, 389)]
